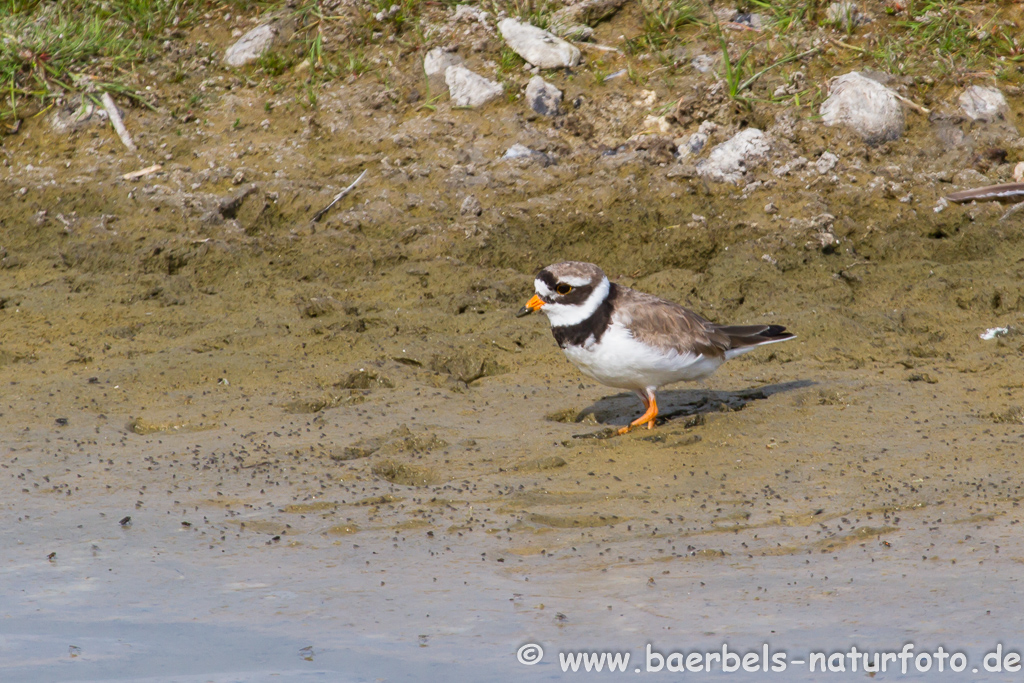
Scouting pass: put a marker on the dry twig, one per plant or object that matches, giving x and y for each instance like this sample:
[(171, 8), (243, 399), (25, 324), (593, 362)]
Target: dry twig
[(115, 120), (337, 198)]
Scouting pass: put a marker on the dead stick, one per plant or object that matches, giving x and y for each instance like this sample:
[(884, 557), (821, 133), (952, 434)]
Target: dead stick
[(912, 104), (599, 47), (337, 198), (142, 172), (115, 120), (1019, 206), (848, 46)]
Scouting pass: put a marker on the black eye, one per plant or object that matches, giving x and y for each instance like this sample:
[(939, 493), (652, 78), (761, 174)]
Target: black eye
[(563, 288)]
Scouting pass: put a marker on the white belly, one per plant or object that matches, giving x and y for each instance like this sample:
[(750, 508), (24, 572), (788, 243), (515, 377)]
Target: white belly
[(623, 362)]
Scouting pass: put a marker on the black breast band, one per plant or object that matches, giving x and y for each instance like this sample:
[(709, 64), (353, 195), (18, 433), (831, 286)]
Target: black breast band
[(596, 325)]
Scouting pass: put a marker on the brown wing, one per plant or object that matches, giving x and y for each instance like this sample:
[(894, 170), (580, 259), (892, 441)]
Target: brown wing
[(666, 325)]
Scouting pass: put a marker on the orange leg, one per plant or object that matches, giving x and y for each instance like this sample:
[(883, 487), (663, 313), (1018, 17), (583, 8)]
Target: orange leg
[(649, 416)]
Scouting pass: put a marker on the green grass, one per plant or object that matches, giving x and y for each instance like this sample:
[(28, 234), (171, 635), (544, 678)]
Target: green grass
[(732, 69), (784, 15), (146, 18), (636, 77), (273, 63), (1008, 44), (508, 62), (946, 28), (741, 73), (669, 16), (946, 37), (354, 63), (53, 49), (890, 56), (536, 12), (599, 70), (404, 18), (665, 20)]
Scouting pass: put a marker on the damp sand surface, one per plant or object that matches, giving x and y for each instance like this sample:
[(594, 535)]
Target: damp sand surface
[(807, 510)]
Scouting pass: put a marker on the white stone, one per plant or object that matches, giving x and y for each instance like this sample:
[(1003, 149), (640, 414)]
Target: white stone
[(703, 63), (543, 97), (469, 89), (656, 124), (691, 145), (790, 167), (647, 98), (392, 11), (753, 20), (725, 14), (708, 128), (435, 63), (250, 46), (438, 60), (469, 13), (826, 162), (867, 106), (471, 206), (537, 46), (76, 115), (844, 14), (983, 104), (993, 332), (734, 157), (518, 151)]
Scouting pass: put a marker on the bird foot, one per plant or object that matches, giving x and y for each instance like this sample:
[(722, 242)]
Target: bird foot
[(649, 417)]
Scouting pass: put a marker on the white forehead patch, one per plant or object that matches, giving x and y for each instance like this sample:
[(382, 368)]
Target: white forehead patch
[(542, 289), (576, 281)]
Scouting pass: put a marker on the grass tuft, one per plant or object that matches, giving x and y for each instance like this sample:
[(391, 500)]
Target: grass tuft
[(50, 50), (665, 20)]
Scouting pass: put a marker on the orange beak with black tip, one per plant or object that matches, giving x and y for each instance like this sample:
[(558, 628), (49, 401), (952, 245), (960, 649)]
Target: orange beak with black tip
[(532, 305)]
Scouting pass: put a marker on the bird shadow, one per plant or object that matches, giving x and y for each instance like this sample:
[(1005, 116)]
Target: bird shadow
[(621, 409)]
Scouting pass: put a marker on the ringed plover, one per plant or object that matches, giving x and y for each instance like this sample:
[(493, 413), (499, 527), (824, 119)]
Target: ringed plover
[(630, 340)]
